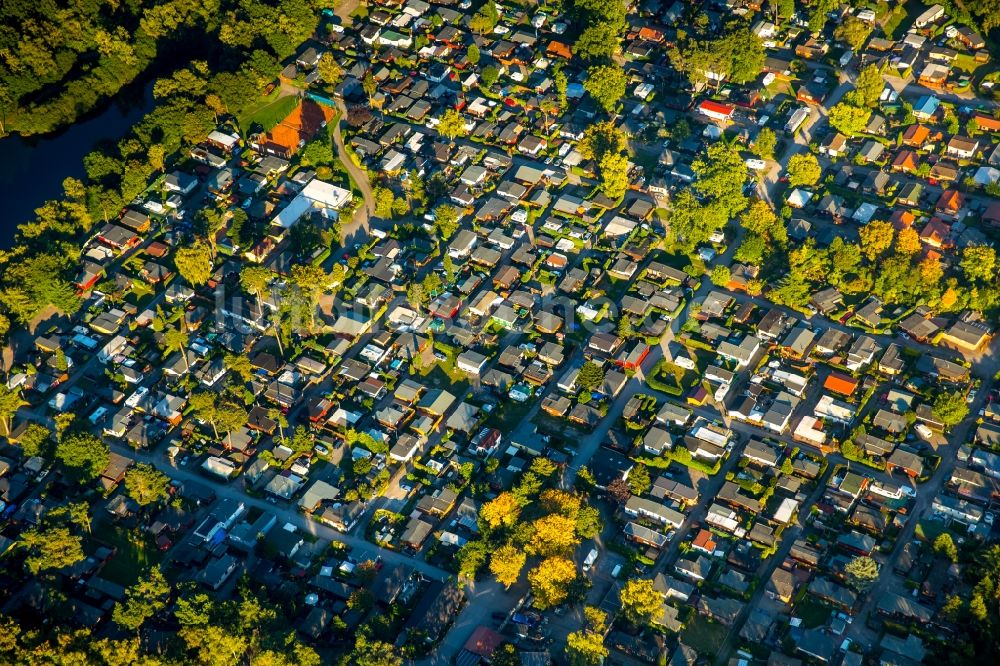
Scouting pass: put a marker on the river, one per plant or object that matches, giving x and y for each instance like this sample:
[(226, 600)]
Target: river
[(32, 169)]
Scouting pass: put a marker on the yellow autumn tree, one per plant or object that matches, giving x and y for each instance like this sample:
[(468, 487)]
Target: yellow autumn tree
[(560, 502), (501, 512), (908, 242), (640, 601), (506, 564), (876, 238), (553, 535), (550, 581)]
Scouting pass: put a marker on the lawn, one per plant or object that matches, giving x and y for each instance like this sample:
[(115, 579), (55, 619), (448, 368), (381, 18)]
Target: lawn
[(929, 529), (135, 553), (509, 414), (704, 636), (811, 612), (446, 375), (269, 112)]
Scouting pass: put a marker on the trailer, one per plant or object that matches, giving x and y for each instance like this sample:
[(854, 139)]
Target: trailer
[(795, 122), (588, 563)]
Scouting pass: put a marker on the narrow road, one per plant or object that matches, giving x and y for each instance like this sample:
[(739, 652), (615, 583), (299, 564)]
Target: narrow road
[(285, 513), (360, 178)]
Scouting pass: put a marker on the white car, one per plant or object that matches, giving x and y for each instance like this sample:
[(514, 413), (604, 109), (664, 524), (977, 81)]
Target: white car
[(501, 30)]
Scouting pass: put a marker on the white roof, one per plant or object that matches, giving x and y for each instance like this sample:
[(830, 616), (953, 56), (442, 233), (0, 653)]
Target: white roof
[(223, 139), (325, 194), (799, 197), (315, 193), (291, 213), (619, 226)]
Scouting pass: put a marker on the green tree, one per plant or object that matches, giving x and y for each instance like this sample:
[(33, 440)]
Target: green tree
[(176, 340), (369, 652), (979, 263), (850, 120), (194, 263), (737, 56), (446, 221), (10, 402), (867, 87), (36, 440), (945, 547), (599, 41), (803, 170), (853, 32), (471, 558), (142, 601), (987, 12), (312, 282), (239, 365), (51, 548), (77, 513), (146, 484), (639, 481), (950, 408), (640, 602), (472, 54), (862, 572), (600, 139), (83, 454), (722, 172), (765, 143), (614, 175), (329, 69), (588, 522), (693, 222), (489, 76), (590, 376), (606, 84), (720, 275), (255, 281), (485, 19), (585, 648), (384, 198)]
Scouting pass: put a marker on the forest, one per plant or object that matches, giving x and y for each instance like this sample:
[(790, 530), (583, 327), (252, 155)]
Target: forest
[(68, 75), (60, 59)]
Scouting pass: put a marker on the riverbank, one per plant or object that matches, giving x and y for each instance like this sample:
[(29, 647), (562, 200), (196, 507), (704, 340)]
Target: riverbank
[(32, 169)]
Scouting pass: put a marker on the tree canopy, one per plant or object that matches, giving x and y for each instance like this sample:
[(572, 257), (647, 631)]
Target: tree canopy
[(606, 84), (83, 454), (803, 170), (146, 484)]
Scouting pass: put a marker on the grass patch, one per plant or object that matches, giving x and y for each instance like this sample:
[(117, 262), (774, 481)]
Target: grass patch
[(812, 612), (135, 553), (928, 530), (269, 113), (703, 635), (509, 414)]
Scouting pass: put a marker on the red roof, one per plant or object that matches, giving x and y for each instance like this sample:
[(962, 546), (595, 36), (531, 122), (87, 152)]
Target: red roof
[(708, 106), (840, 383), (987, 123), (483, 641), (704, 541)]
